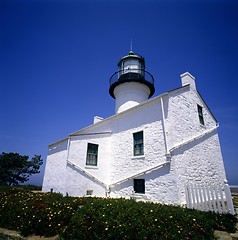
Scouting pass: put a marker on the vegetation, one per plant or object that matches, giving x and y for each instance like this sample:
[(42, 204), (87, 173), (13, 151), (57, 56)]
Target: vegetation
[(28, 187), (49, 214), (235, 201), (42, 214), (15, 169)]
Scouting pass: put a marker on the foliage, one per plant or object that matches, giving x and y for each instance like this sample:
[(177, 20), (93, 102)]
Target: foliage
[(235, 201), (49, 214), (15, 169), (126, 219), (40, 213), (21, 187)]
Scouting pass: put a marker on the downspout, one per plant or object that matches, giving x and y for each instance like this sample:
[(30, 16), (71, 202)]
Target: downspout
[(68, 146), (167, 152), (67, 159)]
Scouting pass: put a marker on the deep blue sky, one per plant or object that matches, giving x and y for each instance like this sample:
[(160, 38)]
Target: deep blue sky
[(56, 58)]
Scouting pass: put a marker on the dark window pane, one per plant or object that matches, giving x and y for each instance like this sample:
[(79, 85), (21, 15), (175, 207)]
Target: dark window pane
[(200, 115), (138, 143), (92, 154), (139, 185)]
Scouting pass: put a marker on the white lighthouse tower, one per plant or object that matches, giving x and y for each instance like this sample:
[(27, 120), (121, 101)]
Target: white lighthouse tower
[(131, 84)]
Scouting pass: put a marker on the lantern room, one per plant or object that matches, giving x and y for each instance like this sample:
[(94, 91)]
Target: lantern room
[(131, 84), (131, 63)]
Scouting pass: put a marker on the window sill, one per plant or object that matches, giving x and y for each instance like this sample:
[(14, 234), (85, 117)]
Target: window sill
[(203, 126), (138, 157), (91, 167), (139, 196)]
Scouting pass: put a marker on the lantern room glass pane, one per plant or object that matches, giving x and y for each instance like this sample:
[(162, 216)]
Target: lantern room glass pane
[(131, 65)]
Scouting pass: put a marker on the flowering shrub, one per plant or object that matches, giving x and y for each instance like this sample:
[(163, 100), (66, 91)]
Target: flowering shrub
[(48, 214), (42, 214), (125, 219)]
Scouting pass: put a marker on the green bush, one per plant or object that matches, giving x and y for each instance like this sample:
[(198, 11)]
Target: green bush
[(49, 214), (126, 219), (42, 214), (22, 187)]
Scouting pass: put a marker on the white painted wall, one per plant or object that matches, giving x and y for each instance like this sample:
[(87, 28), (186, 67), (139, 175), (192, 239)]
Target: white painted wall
[(130, 94), (191, 160), (77, 155), (197, 160), (55, 169), (148, 120), (182, 121)]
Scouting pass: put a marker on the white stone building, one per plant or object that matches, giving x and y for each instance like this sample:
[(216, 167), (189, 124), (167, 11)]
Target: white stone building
[(149, 150)]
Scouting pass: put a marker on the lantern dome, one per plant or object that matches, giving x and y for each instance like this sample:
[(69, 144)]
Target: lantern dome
[(131, 84)]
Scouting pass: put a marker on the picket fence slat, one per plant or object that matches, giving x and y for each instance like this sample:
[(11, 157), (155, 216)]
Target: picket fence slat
[(222, 200), (205, 197)]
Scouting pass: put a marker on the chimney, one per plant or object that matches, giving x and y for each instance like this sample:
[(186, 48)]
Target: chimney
[(97, 119), (187, 78)]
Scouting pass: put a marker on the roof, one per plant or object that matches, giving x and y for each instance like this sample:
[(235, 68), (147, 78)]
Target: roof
[(131, 55), (81, 131)]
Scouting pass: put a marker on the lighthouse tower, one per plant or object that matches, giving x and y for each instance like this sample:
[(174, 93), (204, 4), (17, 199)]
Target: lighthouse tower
[(131, 84)]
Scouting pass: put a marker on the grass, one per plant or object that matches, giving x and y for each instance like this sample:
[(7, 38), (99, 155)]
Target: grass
[(50, 214)]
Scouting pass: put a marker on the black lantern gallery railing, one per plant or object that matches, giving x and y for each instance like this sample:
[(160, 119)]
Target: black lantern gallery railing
[(131, 75)]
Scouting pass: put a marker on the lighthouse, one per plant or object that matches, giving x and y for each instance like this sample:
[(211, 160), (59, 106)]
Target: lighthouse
[(131, 84), (158, 150)]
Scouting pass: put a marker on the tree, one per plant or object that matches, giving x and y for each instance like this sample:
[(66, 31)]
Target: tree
[(15, 169)]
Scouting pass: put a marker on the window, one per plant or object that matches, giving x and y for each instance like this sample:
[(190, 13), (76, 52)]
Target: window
[(89, 192), (138, 144), (200, 115), (92, 154), (139, 185)]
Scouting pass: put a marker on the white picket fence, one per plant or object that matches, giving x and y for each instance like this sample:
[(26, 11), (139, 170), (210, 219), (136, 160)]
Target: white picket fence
[(205, 197)]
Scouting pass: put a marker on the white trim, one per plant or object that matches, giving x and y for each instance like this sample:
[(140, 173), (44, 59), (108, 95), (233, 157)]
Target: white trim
[(87, 173), (79, 132), (133, 150), (146, 171), (192, 139), (91, 167), (138, 157), (163, 126)]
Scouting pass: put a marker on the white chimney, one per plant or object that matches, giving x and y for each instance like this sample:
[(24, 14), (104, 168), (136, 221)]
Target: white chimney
[(187, 78), (97, 119)]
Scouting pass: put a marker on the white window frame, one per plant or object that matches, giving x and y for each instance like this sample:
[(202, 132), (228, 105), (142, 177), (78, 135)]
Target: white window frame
[(141, 154), (89, 161), (200, 115)]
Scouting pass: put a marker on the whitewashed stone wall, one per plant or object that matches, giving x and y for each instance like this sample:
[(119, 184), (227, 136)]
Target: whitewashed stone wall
[(55, 169), (77, 155), (77, 184), (199, 162), (160, 186), (200, 159), (148, 120), (182, 122), (193, 160)]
